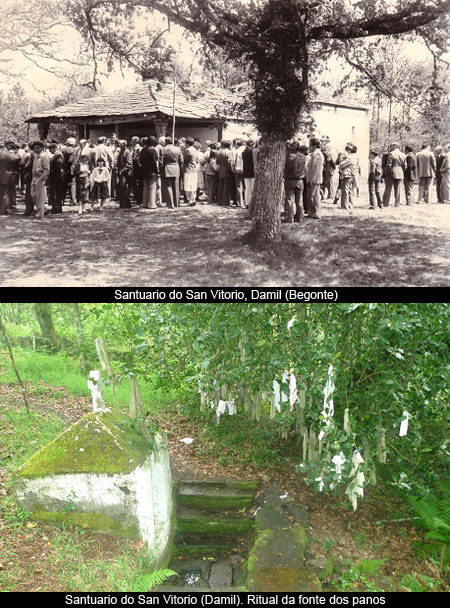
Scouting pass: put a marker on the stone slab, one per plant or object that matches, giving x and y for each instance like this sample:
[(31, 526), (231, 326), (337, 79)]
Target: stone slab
[(280, 548), (271, 518), (221, 575), (284, 579), (300, 514)]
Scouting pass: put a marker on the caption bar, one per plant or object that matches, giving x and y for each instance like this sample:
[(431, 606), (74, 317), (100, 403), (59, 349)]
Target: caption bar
[(228, 599), (226, 295)]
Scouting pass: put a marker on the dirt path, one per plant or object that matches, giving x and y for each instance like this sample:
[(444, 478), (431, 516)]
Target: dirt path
[(203, 246)]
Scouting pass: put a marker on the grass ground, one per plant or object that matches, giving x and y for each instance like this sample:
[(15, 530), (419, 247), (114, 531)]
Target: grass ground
[(205, 246), (43, 557), (43, 370)]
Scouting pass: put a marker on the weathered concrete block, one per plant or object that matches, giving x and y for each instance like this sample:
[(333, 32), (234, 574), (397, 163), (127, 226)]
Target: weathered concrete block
[(100, 473)]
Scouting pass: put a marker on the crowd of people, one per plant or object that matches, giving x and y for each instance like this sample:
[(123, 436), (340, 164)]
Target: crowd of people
[(155, 173)]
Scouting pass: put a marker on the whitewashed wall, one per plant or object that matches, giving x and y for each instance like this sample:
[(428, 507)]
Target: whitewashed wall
[(142, 498)]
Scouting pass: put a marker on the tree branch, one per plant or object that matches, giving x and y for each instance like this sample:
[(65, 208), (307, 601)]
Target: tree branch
[(417, 14)]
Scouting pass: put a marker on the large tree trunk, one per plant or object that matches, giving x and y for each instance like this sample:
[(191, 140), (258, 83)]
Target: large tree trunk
[(44, 316), (269, 188), (279, 72)]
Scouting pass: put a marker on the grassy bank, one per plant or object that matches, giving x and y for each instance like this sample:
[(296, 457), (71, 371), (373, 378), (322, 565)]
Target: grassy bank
[(60, 370)]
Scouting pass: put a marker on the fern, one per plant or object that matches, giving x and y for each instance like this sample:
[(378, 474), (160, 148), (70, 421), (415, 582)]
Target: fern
[(434, 512), (410, 582), (146, 582)]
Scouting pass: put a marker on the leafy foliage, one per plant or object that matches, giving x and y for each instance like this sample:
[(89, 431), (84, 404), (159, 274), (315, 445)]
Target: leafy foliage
[(422, 583), (435, 514), (146, 582)]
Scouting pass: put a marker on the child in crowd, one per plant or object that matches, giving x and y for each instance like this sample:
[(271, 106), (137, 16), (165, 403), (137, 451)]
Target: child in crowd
[(100, 177), (82, 175)]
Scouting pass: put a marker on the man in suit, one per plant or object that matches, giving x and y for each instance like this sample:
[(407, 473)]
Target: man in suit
[(314, 178), (69, 150), (410, 174), (171, 167), (3, 180), (149, 162), (12, 173), (439, 156), (124, 167), (445, 175), (375, 172), (101, 150), (426, 170), (347, 170), (56, 179), (40, 173), (394, 174), (226, 178), (136, 179)]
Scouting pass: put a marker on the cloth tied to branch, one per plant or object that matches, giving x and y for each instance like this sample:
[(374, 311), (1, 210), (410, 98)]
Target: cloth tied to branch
[(404, 424), (338, 460), (356, 487), (328, 404), (223, 406)]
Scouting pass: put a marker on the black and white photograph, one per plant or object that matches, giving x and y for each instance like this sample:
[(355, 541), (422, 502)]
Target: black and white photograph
[(226, 143)]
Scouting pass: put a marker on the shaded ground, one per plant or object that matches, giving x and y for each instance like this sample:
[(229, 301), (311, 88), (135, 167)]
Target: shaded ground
[(202, 246), (31, 557)]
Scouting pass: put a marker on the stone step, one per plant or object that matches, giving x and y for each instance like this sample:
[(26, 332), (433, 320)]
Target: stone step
[(207, 546), (195, 522), (215, 496), (221, 482)]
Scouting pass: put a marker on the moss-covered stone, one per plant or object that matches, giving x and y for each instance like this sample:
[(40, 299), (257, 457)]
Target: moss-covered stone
[(97, 443), (95, 522), (215, 502), (216, 495), (224, 527), (284, 547), (284, 579), (276, 562)]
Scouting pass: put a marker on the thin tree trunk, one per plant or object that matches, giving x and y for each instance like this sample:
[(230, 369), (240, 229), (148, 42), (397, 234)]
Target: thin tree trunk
[(80, 336), (11, 356), (33, 335)]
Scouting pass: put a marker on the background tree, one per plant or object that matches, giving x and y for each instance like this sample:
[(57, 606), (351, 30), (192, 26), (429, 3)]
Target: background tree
[(43, 311), (38, 37), (14, 108), (284, 43)]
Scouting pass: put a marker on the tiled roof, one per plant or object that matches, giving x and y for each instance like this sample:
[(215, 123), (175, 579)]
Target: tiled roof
[(146, 97)]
